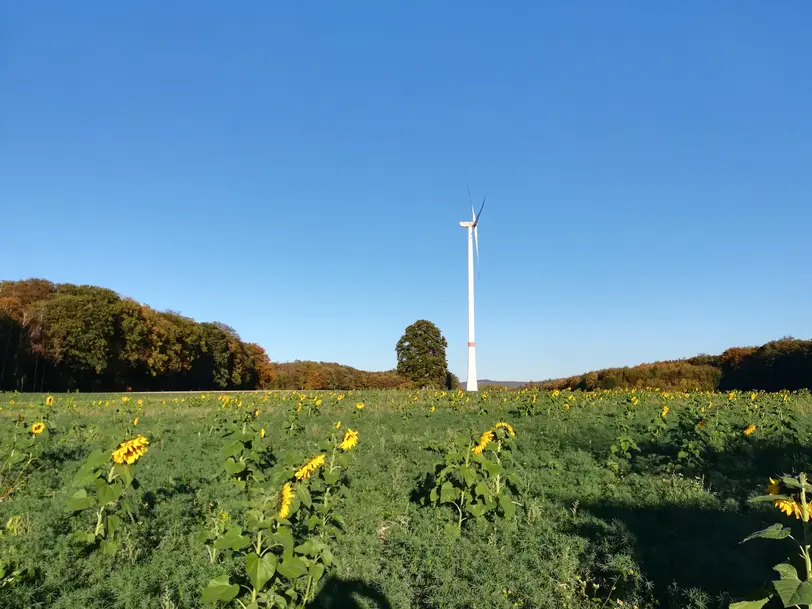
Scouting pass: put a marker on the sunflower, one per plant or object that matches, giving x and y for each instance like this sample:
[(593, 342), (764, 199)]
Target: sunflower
[(789, 507), (285, 500), (774, 487), (49, 401), (359, 405), (506, 426), (750, 429), (350, 440), (135, 421), (308, 468), (664, 412), (130, 451), (484, 440), (37, 428), (262, 432)]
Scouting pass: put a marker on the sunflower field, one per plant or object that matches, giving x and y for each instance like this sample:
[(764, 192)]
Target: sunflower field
[(394, 499)]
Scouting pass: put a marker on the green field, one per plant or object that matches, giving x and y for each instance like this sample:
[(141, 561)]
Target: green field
[(637, 499)]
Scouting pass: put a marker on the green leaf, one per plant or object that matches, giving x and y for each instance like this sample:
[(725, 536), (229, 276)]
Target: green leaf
[(304, 495), (113, 525), (82, 537), (786, 571), (96, 459), (774, 531), (794, 592), (283, 538), (219, 590), (107, 492), (233, 467), (260, 568), (232, 449), (477, 510), (448, 492), (330, 477), (433, 495), (123, 470), (306, 548), (79, 501), (468, 475), (507, 506), (481, 489), (292, 568), (753, 601), (109, 547), (493, 469), (315, 572), (233, 539)]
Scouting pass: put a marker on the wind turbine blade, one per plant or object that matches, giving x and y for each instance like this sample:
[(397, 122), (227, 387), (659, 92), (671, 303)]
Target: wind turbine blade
[(476, 243), (476, 217)]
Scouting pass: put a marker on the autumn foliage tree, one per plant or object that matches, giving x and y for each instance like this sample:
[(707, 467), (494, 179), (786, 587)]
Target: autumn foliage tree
[(63, 336), (421, 355)]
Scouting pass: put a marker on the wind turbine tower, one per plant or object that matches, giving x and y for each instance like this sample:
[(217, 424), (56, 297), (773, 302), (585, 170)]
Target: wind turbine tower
[(473, 241)]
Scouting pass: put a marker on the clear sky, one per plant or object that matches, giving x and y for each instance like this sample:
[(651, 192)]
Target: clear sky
[(298, 171)]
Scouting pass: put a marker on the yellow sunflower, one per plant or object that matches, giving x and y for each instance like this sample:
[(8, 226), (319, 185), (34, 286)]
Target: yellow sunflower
[(285, 500), (130, 451), (308, 468), (37, 428), (350, 440)]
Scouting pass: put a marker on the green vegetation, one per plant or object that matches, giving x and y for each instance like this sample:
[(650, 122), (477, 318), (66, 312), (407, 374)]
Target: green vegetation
[(66, 337), (403, 499), (421, 355)]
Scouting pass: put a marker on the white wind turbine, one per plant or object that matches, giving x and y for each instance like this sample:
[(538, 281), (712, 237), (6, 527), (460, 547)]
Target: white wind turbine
[(473, 240)]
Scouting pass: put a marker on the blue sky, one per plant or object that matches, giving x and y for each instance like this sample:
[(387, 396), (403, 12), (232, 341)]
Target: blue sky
[(299, 171)]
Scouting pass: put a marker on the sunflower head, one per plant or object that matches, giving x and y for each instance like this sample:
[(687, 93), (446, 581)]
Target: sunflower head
[(37, 428)]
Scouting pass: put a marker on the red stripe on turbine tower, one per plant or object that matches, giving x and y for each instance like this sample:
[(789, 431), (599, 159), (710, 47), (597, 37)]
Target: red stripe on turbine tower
[(471, 344)]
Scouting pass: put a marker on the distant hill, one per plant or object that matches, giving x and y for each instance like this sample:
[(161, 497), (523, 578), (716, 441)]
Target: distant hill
[(777, 365)]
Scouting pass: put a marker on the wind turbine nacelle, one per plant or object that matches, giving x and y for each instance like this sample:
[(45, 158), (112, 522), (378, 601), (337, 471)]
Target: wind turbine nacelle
[(466, 224)]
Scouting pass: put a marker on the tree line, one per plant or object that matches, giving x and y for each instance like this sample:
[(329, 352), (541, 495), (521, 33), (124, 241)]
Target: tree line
[(774, 366), (61, 336)]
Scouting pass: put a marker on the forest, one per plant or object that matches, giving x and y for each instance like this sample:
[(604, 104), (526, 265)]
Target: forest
[(64, 337)]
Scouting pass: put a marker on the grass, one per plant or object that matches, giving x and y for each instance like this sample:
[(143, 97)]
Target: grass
[(656, 521)]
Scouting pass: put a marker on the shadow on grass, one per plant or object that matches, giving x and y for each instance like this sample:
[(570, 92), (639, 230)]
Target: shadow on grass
[(684, 549), (345, 594)]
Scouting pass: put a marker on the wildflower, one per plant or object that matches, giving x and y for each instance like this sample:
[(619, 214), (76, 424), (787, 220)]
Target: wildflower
[(285, 500), (130, 451), (37, 428), (750, 429), (308, 468), (484, 440), (135, 421), (350, 440), (49, 401), (359, 405), (506, 426)]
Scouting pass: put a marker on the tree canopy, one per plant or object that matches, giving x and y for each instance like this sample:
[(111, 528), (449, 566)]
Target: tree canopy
[(421, 355), (56, 337)]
